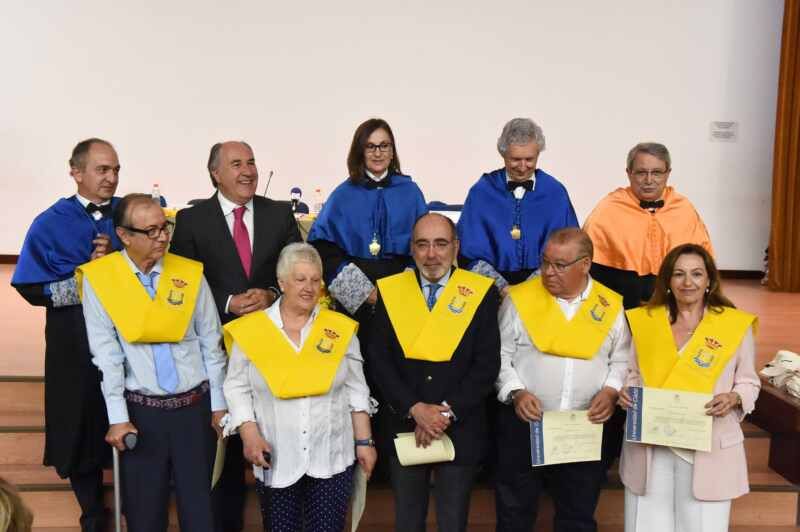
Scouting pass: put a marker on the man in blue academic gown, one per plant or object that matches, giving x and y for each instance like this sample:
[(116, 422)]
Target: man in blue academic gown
[(507, 217), (71, 232), (509, 212)]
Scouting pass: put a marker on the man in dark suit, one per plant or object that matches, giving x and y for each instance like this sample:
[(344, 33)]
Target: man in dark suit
[(237, 236), (436, 349)]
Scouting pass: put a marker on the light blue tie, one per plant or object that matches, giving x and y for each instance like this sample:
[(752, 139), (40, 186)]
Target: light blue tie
[(166, 374), (432, 289)]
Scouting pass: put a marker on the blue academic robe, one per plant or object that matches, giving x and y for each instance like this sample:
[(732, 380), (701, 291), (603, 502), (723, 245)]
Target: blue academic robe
[(58, 241), (491, 211), (354, 214)]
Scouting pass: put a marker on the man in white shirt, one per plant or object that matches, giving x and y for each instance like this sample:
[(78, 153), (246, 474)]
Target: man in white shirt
[(237, 235), (582, 323), (154, 333)]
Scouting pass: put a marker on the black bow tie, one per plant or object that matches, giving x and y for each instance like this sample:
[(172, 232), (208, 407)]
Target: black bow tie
[(527, 185), (383, 183), (653, 205), (105, 210)]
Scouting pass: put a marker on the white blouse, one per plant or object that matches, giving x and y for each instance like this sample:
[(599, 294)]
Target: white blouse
[(308, 435)]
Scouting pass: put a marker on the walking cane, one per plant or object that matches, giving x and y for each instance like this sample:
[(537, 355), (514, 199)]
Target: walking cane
[(129, 440)]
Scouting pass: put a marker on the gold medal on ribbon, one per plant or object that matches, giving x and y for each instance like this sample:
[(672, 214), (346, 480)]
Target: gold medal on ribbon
[(374, 246), (516, 234)]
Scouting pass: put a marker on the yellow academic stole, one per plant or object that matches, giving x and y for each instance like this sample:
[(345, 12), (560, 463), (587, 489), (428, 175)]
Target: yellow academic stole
[(288, 373), (551, 332), (703, 359), (138, 318), (432, 335)]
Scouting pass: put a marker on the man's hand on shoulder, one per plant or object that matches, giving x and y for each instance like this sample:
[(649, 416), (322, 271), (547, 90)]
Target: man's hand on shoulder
[(102, 246)]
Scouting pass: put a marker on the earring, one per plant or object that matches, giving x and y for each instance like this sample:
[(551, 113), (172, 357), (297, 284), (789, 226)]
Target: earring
[(707, 290), (669, 291)]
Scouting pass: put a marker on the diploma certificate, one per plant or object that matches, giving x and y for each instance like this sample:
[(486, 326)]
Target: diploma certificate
[(565, 436), (441, 450), (669, 417)]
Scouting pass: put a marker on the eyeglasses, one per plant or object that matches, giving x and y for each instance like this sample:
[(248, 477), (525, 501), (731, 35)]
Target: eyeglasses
[(154, 232), (383, 147), (438, 245), (558, 267), (656, 174)]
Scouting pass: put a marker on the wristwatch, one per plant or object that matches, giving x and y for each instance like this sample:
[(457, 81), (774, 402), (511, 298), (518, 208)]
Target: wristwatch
[(369, 442)]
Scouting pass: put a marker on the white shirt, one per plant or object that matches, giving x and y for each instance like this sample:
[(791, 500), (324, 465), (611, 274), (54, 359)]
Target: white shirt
[(560, 383), (227, 210), (308, 435), (85, 202), (377, 178), (519, 192)]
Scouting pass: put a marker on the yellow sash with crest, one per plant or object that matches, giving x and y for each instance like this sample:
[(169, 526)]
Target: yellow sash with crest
[(432, 335), (138, 318), (288, 373), (551, 332), (696, 369)]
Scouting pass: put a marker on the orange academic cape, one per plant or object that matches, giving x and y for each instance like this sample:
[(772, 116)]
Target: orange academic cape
[(627, 237)]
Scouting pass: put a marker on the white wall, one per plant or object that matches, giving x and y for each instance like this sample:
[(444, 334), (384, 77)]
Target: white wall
[(165, 80)]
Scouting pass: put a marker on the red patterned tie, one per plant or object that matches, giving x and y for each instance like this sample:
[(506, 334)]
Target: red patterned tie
[(242, 239)]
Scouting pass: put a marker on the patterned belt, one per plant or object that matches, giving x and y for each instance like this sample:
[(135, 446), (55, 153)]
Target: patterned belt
[(169, 402)]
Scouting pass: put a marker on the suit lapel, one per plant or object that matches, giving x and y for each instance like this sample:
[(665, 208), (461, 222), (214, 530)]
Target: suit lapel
[(222, 234), (260, 238)]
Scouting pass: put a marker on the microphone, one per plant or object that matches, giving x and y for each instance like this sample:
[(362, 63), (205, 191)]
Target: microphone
[(269, 178)]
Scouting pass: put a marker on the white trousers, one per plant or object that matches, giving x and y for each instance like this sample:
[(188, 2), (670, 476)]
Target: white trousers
[(668, 505)]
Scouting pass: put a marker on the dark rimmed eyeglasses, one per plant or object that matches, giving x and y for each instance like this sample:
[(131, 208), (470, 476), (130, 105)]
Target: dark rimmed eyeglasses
[(153, 233), (383, 147)]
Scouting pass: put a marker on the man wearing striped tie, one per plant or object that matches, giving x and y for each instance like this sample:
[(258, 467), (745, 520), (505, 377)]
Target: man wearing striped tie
[(154, 333), (436, 346)]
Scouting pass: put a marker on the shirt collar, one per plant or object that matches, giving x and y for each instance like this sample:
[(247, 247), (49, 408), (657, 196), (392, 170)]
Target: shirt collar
[(83, 201), (274, 313), (377, 178), (157, 267), (441, 282), (583, 296), (228, 206)]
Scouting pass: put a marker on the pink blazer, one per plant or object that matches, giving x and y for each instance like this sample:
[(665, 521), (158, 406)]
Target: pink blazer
[(721, 473)]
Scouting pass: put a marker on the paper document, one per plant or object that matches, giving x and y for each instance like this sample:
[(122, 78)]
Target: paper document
[(408, 453), (219, 462), (359, 497), (566, 436), (670, 418)]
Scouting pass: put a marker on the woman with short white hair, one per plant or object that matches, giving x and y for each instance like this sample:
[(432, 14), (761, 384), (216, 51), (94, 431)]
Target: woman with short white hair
[(296, 392)]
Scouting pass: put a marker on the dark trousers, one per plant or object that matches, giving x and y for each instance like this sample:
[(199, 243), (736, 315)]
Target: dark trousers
[(310, 504), (574, 488), (229, 494), (451, 492), (88, 489), (173, 444)]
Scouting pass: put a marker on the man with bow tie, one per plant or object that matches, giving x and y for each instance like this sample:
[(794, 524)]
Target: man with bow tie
[(73, 231), (633, 228), (508, 213)]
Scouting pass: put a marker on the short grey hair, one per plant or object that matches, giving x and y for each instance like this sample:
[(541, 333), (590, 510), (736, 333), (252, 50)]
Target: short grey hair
[(520, 131), (659, 151), (214, 156), (294, 253)]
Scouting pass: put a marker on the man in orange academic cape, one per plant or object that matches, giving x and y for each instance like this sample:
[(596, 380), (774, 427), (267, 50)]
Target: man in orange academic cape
[(633, 228)]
